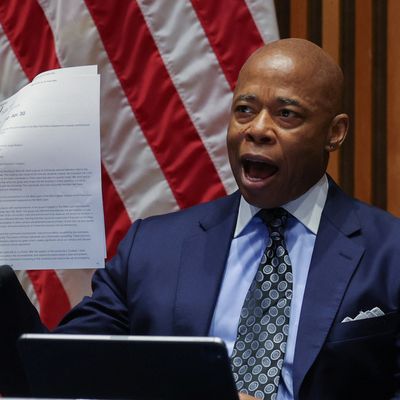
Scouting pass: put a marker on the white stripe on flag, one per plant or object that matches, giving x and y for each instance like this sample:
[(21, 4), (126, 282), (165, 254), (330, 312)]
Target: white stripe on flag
[(76, 283), (12, 78), (263, 13)]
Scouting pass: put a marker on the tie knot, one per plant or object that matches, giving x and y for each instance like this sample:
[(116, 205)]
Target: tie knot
[(274, 218)]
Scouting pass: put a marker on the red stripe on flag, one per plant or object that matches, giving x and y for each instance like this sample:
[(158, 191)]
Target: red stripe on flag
[(29, 35), (117, 220), (52, 298), (231, 31), (158, 108)]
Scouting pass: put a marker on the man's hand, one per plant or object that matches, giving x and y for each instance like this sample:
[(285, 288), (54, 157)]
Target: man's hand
[(243, 396)]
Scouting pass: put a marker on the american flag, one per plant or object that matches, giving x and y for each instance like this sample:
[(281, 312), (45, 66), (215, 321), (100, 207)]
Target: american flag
[(168, 68)]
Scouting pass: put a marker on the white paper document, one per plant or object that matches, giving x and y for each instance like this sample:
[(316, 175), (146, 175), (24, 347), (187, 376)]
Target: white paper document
[(51, 212)]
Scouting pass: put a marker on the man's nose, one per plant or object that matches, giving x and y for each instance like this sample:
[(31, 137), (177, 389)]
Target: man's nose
[(262, 128)]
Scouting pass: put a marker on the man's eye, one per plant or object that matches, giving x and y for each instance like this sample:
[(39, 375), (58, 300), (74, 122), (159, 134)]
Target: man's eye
[(287, 113), (243, 109)]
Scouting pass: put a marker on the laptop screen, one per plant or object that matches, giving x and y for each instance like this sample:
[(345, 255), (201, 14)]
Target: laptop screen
[(127, 367)]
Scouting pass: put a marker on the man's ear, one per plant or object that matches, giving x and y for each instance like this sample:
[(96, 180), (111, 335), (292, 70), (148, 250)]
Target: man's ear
[(337, 132)]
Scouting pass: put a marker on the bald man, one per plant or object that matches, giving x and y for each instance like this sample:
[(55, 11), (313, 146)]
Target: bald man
[(300, 280)]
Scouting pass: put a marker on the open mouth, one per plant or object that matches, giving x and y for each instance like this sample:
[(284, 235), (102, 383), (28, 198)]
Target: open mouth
[(256, 170)]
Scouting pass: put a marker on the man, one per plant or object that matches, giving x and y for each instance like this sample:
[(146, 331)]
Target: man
[(191, 272)]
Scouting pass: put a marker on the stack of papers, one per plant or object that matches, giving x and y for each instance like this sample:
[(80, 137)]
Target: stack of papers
[(51, 212)]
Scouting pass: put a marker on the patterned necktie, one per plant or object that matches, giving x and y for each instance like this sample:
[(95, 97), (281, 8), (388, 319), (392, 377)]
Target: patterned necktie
[(260, 345)]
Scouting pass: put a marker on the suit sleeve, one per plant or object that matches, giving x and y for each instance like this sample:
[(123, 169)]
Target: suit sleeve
[(105, 312)]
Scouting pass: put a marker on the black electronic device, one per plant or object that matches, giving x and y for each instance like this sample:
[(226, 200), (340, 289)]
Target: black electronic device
[(127, 367)]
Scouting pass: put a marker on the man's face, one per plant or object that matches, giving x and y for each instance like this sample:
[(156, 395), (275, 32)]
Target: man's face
[(278, 131)]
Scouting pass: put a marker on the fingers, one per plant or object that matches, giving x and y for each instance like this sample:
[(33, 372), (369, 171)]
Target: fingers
[(243, 396)]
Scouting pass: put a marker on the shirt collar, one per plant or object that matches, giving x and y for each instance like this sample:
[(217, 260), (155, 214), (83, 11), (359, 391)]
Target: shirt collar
[(307, 208)]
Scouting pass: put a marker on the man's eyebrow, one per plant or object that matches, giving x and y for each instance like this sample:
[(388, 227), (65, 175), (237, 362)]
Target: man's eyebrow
[(246, 97), (289, 102)]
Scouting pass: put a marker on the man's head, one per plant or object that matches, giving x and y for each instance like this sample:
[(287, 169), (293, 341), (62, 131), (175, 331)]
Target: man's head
[(285, 119)]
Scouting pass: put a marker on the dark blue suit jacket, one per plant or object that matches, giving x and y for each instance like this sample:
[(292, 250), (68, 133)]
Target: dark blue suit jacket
[(167, 274)]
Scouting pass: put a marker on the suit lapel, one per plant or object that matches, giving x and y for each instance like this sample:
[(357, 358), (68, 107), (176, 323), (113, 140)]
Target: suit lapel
[(334, 260), (202, 265)]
